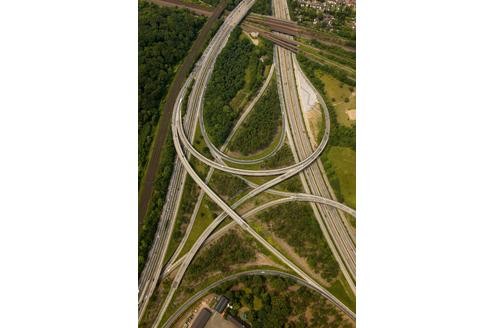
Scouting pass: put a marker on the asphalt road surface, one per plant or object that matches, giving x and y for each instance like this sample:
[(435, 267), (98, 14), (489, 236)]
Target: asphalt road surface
[(338, 234)]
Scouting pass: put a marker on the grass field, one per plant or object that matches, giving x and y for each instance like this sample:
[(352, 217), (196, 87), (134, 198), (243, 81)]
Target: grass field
[(340, 290), (343, 162), (343, 97), (203, 220)]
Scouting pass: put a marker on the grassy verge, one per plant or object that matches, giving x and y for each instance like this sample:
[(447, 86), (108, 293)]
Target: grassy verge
[(150, 222), (187, 202), (280, 159), (155, 303), (339, 156), (293, 184), (340, 165), (343, 98), (206, 214), (341, 290)]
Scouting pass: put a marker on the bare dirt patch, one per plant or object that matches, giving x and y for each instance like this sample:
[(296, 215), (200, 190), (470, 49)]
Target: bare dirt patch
[(217, 321), (308, 314), (190, 315), (255, 41), (261, 260), (294, 288), (351, 114), (312, 119)]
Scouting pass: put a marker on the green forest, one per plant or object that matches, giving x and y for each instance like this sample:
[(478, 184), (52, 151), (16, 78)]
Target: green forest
[(239, 71), (227, 185), (281, 158), (262, 7), (227, 250), (226, 80), (273, 302), (296, 224), (260, 127), (165, 36), (150, 222)]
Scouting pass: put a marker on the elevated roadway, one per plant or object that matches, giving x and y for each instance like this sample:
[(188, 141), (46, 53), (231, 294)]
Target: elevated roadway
[(182, 142), (180, 139), (274, 273), (314, 179)]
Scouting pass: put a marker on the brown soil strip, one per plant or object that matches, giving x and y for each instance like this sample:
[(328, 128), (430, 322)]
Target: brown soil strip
[(166, 116), (196, 8)]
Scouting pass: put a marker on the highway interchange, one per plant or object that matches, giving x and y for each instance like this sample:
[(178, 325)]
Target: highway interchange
[(329, 213), (235, 276)]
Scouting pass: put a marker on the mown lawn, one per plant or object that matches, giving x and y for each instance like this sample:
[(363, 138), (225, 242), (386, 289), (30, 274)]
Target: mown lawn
[(342, 161), (205, 216), (343, 97), (341, 290)]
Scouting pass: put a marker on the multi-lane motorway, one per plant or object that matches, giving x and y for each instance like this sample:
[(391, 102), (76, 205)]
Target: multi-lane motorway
[(314, 179), (317, 190)]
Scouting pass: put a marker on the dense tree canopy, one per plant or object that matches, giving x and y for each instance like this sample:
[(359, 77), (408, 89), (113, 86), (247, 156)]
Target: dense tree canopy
[(260, 127), (262, 7), (274, 302), (165, 36), (281, 158), (150, 222), (227, 185), (295, 223), (226, 80), (228, 250)]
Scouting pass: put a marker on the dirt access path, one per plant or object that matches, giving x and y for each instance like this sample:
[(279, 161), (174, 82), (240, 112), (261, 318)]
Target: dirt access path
[(197, 8)]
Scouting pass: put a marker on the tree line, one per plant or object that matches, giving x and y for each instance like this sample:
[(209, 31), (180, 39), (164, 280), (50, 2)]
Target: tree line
[(164, 37), (160, 188), (226, 80), (262, 7), (275, 302), (340, 135), (296, 224), (228, 250), (227, 185), (260, 127), (338, 73)]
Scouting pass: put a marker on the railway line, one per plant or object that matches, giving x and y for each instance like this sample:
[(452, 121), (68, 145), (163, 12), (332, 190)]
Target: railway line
[(339, 234), (307, 166)]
